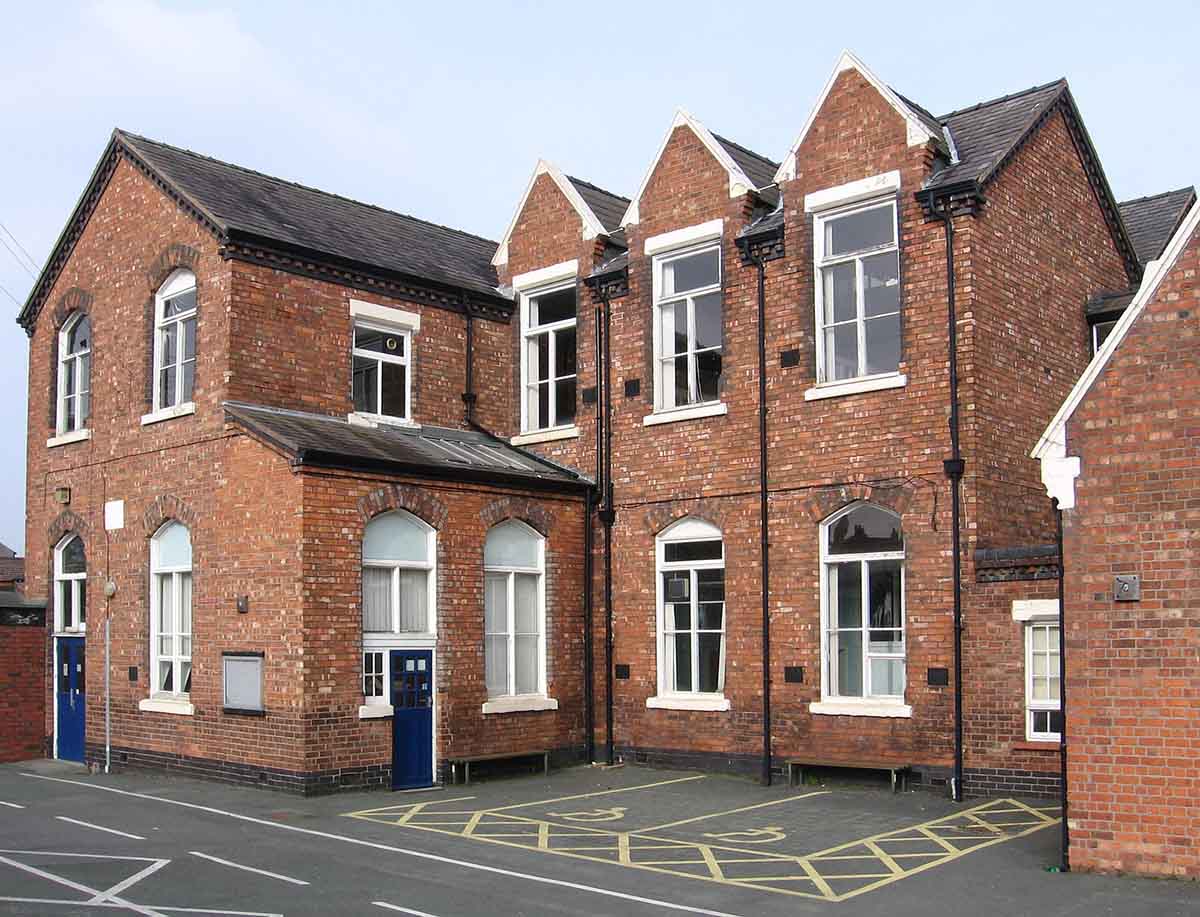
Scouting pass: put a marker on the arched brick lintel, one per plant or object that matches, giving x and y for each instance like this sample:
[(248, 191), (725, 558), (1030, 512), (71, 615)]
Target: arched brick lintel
[(824, 502), (164, 509), (529, 511), (710, 511), (175, 255), (64, 523), (421, 503)]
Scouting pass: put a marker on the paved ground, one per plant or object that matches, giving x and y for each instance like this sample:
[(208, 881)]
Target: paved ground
[(625, 841)]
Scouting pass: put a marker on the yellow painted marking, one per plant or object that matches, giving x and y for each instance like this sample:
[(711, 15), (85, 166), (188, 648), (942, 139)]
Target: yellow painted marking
[(613, 814), (623, 849), (752, 836), (619, 789), (711, 862), (885, 858), (759, 805), (543, 835), (983, 824)]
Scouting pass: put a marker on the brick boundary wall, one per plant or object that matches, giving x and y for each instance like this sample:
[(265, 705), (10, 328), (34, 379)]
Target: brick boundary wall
[(994, 781), (23, 695)]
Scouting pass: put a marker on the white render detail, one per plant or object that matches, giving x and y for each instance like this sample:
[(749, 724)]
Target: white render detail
[(917, 133), (692, 412), (716, 703), (855, 386), (114, 515), (845, 707), (163, 705), (852, 192), (520, 703), (179, 410), (591, 225), (389, 314), (75, 436), (545, 436), (564, 270), (1034, 609), (739, 182), (689, 235)]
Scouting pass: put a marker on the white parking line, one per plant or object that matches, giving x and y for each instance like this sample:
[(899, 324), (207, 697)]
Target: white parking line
[(417, 854), (261, 872), (88, 824), (79, 887), (402, 910), (11, 805)]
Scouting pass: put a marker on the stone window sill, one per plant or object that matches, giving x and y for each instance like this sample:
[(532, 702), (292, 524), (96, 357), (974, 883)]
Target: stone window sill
[(713, 703), (375, 711), (1037, 745), (856, 386), (689, 413), (176, 705), (846, 707), (545, 436), (375, 421), (179, 410), (520, 704), (75, 436)]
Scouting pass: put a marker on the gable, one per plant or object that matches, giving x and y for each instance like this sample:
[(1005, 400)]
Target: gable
[(590, 224)]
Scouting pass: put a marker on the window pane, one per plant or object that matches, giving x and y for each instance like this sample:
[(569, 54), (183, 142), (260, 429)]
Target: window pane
[(396, 537), (1039, 639), (677, 587), (185, 669), (708, 321), (174, 545), (71, 419), (683, 389), (710, 661), (189, 338), (1100, 334), (682, 551), (496, 665), (540, 368), (414, 599), (187, 383), (176, 305), (887, 677), (841, 352), (81, 612), (837, 293), (564, 352), (65, 602), (858, 231), (525, 590), (553, 307), (710, 584), (673, 332), (495, 604), (512, 544), (166, 612), (395, 399), (681, 616), (377, 600), (73, 560), (543, 404), (683, 662), (881, 284), (884, 606), (711, 615), (166, 387), (865, 529), (848, 579), (170, 344), (526, 664), (165, 682), (564, 402), (1055, 721), (378, 341), (691, 272), (80, 336), (883, 344), (708, 374), (846, 648), (366, 385), (185, 610)]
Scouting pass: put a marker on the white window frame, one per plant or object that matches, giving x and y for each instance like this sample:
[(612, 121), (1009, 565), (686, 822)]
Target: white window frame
[(77, 582), (175, 573), (395, 639), (510, 700), (664, 395), (528, 333), (179, 282), (407, 361), (686, 530), (820, 262), (70, 364), (1110, 324), (1031, 705), (867, 704)]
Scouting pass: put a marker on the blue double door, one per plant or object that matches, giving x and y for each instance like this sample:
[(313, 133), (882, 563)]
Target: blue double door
[(70, 686), (412, 718)]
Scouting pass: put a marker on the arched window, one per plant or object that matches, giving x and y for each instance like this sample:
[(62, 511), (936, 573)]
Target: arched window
[(171, 611), (691, 610), (399, 552), (74, 374), (175, 340), (514, 615), (70, 586), (862, 572)]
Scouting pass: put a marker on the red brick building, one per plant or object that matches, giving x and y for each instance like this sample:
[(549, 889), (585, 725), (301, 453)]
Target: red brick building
[(1122, 457), (574, 474)]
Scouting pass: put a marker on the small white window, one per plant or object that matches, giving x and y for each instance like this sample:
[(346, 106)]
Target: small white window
[(398, 560), (548, 358), (862, 604), (691, 609), (382, 376), (1100, 333), (175, 341), (514, 612), (857, 291), (70, 586), (74, 374), (1043, 712), (687, 327), (171, 611)]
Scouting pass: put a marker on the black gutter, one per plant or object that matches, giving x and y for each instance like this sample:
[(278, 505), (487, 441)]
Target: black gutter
[(1065, 840)]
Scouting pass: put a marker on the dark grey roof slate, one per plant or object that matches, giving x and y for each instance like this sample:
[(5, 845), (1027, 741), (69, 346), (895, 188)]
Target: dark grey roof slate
[(1151, 221), (321, 440), (1109, 302), (608, 207), (245, 201), (986, 133), (12, 568), (765, 223), (932, 124), (617, 263), (758, 168), (9, 599)]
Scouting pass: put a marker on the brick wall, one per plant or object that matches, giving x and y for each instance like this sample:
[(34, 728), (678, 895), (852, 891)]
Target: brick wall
[(1132, 681), (22, 691)]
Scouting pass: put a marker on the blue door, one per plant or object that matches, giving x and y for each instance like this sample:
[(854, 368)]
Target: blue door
[(69, 677), (412, 719)]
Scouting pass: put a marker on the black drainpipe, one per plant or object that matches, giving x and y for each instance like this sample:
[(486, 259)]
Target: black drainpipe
[(1062, 688), (764, 544), (607, 516)]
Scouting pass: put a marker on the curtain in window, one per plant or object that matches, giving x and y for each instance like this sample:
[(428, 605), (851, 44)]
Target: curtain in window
[(377, 599), (495, 622), (413, 595)]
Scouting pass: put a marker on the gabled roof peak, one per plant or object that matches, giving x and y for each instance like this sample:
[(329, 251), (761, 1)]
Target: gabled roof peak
[(1061, 82)]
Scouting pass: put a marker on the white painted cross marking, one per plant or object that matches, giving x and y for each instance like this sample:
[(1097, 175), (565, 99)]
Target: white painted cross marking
[(11, 805), (261, 872), (88, 824), (402, 910)]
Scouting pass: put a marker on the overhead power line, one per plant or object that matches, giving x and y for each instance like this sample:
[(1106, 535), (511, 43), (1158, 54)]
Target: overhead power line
[(10, 296), (17, 258), (24, 250)]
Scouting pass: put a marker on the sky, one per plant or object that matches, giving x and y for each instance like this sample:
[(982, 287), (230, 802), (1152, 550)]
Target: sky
[(441, 110)]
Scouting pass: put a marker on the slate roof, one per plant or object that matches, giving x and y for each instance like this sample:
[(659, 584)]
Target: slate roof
[(244, 201), (986, 133), (12, 569), (1109, 302), (1151, 221), (10, 599), (757, 167), (333, 442), (608, 207)]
